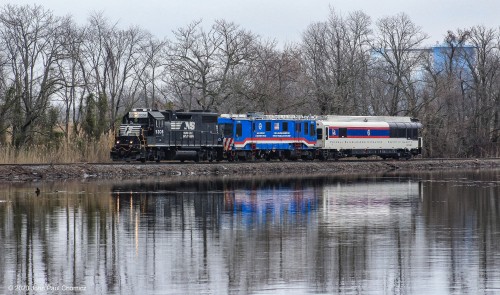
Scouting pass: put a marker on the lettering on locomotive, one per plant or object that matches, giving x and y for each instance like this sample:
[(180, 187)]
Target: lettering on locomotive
[(183, 125)]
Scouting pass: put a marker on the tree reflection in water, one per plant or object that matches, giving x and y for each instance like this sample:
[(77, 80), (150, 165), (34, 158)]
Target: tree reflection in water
[(393, 233)]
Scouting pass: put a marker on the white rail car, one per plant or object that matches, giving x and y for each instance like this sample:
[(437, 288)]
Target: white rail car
[(358, 136)]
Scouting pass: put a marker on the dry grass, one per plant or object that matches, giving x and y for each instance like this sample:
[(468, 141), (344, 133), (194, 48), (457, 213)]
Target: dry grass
[(75, 152)]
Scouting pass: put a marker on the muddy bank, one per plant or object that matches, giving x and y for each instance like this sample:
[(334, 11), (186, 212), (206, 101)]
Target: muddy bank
[(133, 170)]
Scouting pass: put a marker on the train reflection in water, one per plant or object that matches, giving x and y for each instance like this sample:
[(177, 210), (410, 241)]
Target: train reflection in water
[(252, 201), (359, 204), (253, 234), (257, 201), (268, 204)]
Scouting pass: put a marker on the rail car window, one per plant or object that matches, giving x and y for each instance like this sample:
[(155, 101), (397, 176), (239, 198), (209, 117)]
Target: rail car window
[(285, 126), (320, 133), (298, 127), (413, 133), (268, 126), (342, 132), (306, 128), (313, 130), (397, 130), (239, 130), (402, 132)]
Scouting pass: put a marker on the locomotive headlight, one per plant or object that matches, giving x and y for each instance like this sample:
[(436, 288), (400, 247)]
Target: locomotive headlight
[(117, 142), (131, 142)]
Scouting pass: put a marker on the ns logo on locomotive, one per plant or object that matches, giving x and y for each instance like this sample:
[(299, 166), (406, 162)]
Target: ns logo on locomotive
[(155, 135)]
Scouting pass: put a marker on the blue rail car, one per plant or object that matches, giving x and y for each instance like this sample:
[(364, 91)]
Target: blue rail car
[(249, 137)]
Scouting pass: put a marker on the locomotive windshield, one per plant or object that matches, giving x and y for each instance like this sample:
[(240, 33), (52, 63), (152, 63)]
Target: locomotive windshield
[(136, 117), (141, 121)]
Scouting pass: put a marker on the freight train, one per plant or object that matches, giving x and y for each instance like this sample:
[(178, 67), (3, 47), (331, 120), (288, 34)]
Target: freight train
[(156, 135)]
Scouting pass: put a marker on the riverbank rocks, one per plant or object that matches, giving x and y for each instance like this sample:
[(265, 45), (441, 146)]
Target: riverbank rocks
[(176, 169)]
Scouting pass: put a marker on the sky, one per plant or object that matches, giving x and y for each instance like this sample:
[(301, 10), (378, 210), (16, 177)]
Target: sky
[(280, 20)]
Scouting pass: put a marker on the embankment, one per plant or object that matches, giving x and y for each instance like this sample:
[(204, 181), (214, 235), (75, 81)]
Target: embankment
[(49, 172)]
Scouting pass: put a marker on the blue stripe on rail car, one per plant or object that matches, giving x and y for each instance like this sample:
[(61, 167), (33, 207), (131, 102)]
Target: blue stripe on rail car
[(359, 132), (367, 132)]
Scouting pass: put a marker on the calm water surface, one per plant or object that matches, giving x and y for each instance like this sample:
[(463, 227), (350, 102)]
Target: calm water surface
[(425, 233)]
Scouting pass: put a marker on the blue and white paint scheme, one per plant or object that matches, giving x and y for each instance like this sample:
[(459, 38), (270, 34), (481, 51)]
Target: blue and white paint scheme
[(265, 136)]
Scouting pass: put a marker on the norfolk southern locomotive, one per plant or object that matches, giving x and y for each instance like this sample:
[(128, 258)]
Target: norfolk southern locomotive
[(168, 135), (205, 136)]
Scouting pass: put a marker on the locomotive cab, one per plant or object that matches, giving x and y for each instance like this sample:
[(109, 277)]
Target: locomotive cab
[(130, 140)]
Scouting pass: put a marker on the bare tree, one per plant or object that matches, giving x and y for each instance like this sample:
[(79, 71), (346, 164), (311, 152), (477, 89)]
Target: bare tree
[(446, 78), (316, 65), (5, 101), (72, 90), (202, 64), (149, 69), (398, 45), (274, 82), (110, 61), (336, 56), (33, 43), (485, 69)]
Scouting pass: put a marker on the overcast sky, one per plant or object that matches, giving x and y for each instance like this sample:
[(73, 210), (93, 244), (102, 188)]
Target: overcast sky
[(282, 20)]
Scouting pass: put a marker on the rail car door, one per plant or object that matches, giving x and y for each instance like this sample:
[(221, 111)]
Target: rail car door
[(322, 135), (239, 137)]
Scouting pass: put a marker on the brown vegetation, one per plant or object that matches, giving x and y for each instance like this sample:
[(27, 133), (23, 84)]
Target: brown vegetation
[(94, 152)]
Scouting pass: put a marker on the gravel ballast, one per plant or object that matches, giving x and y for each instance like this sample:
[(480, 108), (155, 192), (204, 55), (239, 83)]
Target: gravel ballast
[(47, 172)]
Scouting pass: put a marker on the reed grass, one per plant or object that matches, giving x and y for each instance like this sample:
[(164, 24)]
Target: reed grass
[(78, 151)]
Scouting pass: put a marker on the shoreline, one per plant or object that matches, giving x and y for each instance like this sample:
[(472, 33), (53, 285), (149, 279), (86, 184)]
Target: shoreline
[(119, 171)]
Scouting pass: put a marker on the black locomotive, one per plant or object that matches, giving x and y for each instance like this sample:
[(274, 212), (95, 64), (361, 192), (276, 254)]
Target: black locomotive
[(156, 135)]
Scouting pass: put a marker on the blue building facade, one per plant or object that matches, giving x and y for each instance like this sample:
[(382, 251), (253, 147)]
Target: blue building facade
[(460, 59)]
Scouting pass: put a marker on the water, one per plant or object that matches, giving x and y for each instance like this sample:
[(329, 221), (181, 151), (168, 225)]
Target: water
[(426, 233)]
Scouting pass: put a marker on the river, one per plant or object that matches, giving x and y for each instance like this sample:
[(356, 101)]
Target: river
[(415, 233)]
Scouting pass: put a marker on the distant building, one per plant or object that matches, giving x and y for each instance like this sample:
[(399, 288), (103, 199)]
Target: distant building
[(440, 58), (461, 63)]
